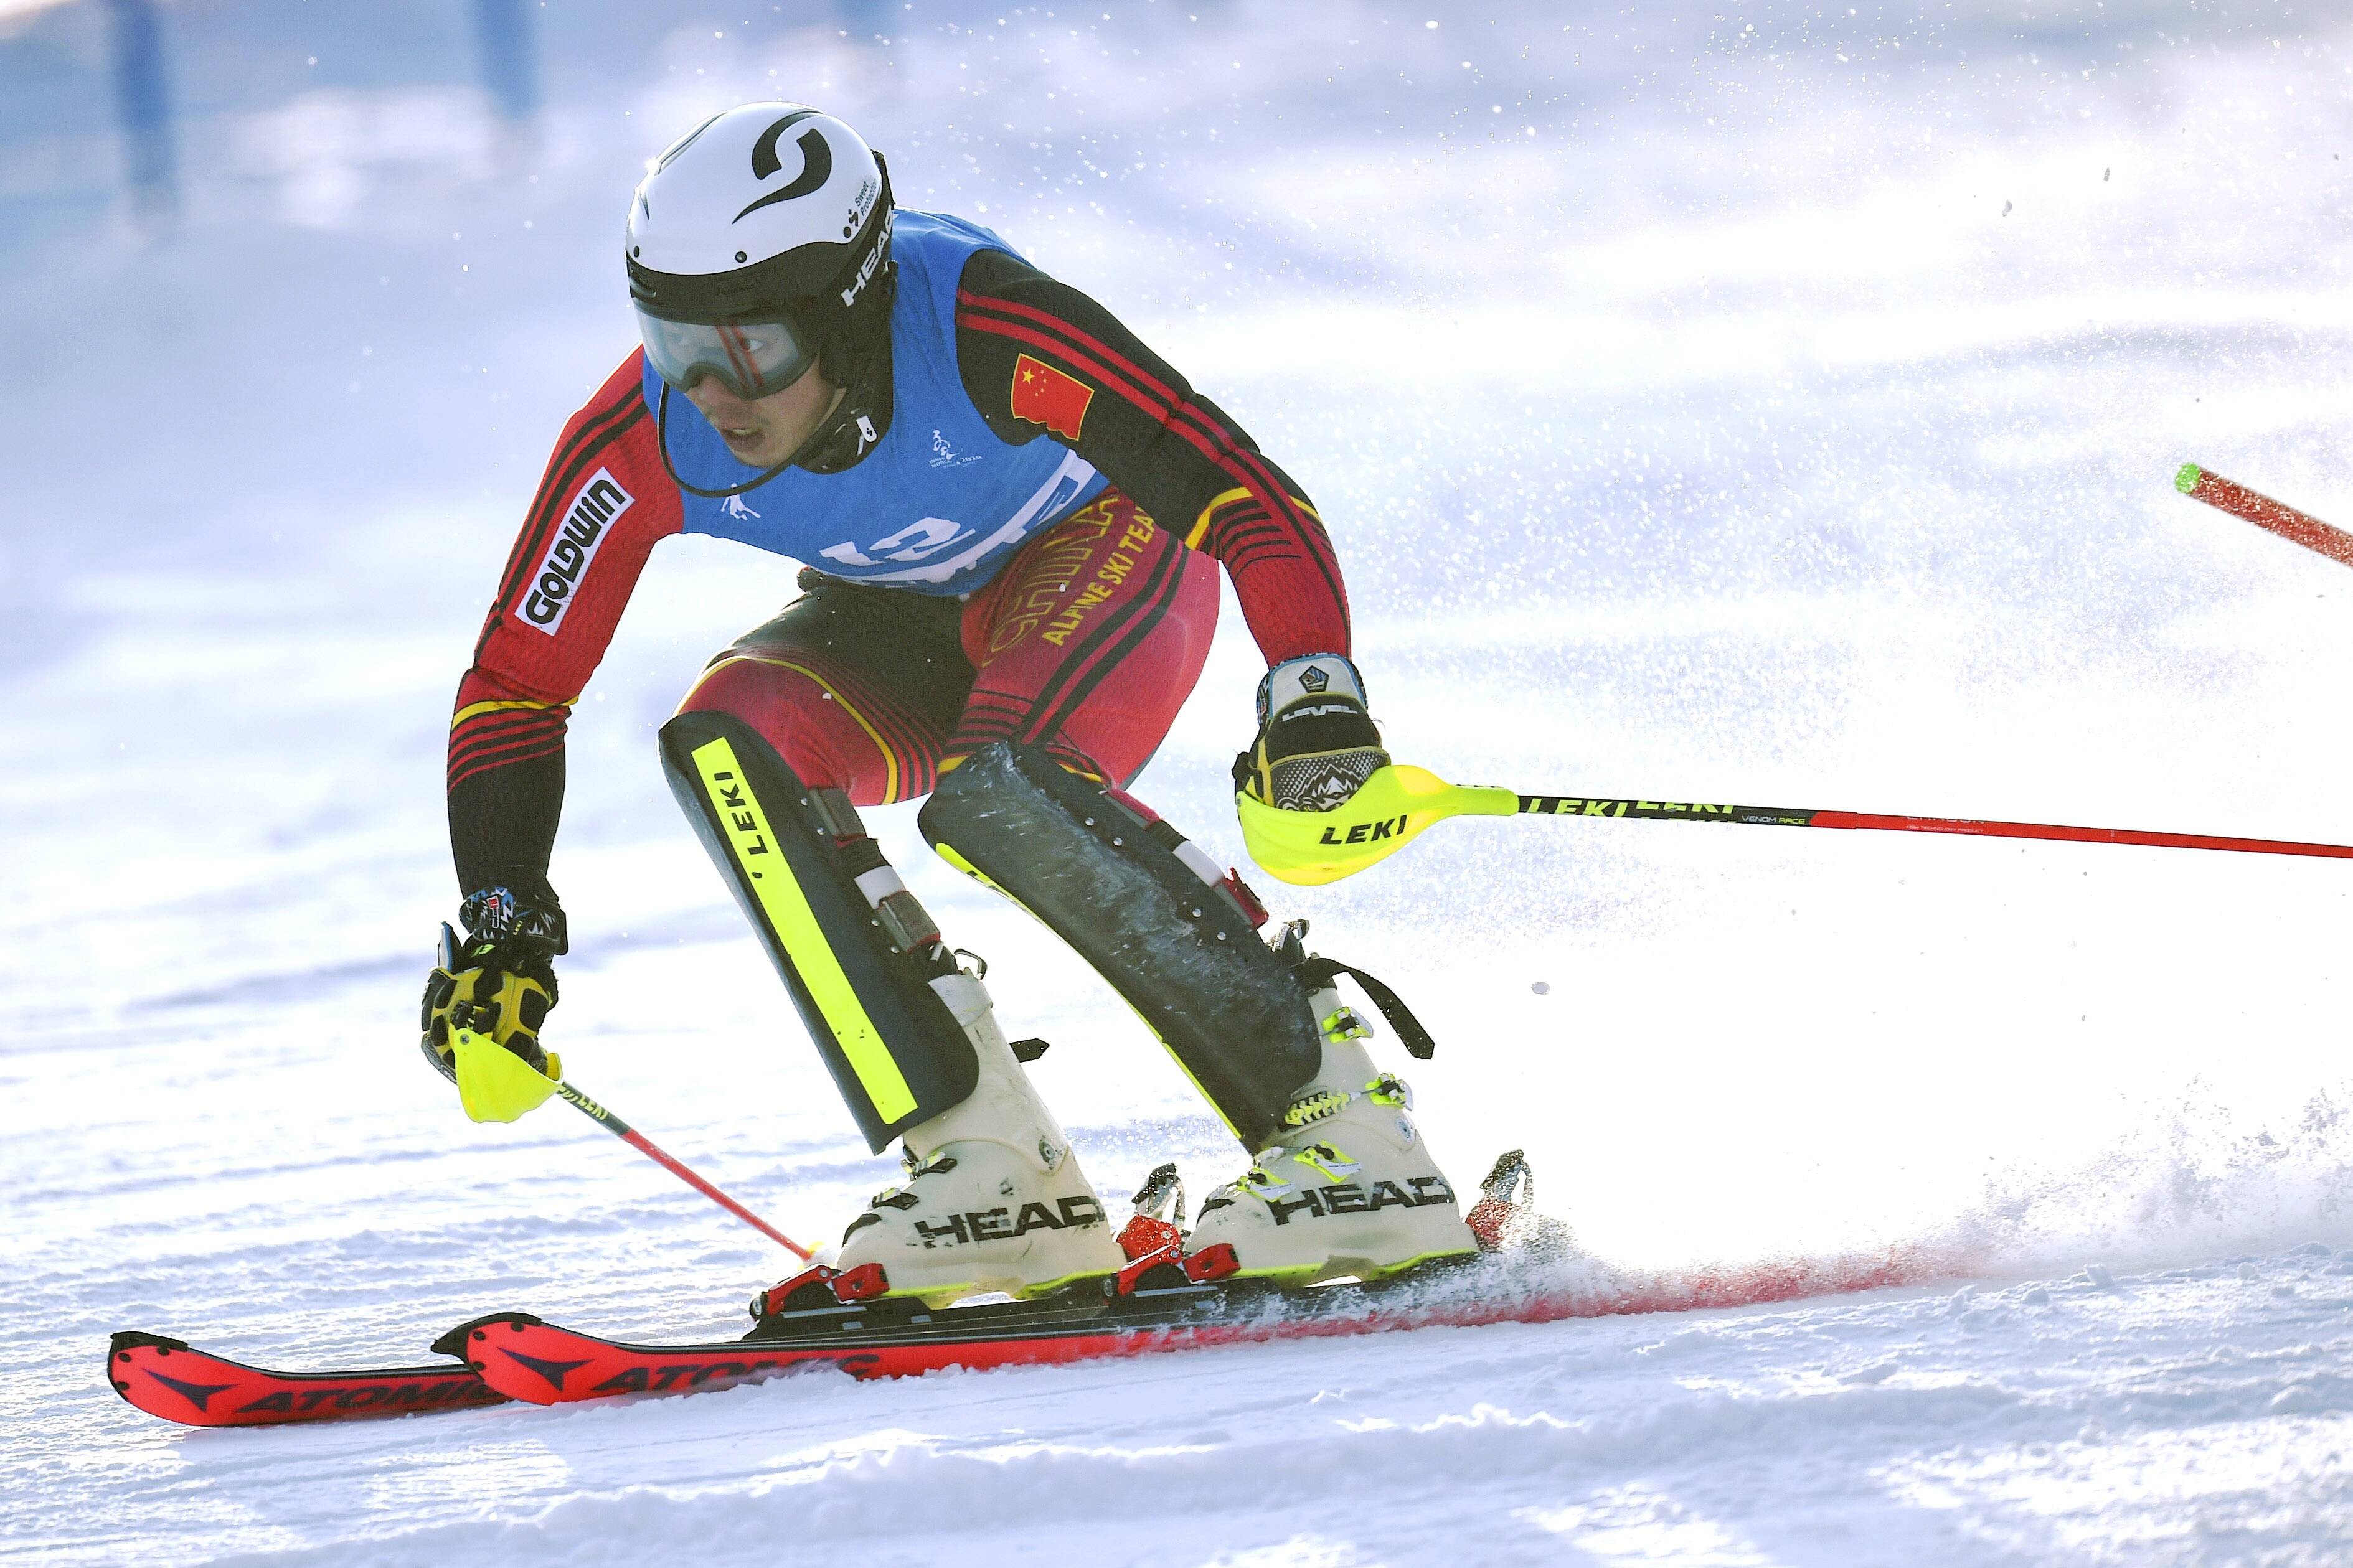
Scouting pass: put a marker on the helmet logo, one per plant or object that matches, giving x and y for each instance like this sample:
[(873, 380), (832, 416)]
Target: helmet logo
[(866, 267), (817, 163), (765, 161)]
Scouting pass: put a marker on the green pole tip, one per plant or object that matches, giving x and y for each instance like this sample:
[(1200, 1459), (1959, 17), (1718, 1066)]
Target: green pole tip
[(2186, 478)]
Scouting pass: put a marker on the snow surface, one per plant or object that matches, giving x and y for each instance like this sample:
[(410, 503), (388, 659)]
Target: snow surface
[(1767, 404)]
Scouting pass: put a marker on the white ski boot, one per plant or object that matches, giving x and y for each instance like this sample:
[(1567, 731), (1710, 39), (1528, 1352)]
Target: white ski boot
[(1347, 1188), (994, 1199)]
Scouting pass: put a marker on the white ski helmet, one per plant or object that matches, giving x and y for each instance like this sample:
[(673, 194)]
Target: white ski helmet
[(759, 246)]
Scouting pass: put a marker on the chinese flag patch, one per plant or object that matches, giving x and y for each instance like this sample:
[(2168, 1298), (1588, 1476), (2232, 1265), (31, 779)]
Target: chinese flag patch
[(1046, 396)]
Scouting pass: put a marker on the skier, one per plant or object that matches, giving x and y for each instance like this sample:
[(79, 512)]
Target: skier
[(1008, 509)]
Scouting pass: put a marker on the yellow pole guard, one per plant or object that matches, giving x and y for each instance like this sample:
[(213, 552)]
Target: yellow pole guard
[(1308, 848), (496, 1085)]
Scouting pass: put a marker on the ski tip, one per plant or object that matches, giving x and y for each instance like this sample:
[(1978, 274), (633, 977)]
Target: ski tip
[(453, 1343), (133, 1340), (2186, 478)]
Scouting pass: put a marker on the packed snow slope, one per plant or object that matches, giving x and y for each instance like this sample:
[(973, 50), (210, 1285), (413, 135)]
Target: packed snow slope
[(1772, 404)]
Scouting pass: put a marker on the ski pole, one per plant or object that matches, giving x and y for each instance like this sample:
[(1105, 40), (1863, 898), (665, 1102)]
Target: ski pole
[(648, 1148), (2228, 495), (496, 1085), (1396, 802), (1802, 816)]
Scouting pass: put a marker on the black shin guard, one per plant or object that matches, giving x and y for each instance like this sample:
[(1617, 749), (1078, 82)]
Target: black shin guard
[(1231, 1012), (896, 1052)]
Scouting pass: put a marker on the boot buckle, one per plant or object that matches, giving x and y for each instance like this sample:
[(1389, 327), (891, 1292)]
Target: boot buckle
[(914, 1166), (1261, 1179), (1327, 1159), (1347, 1024)]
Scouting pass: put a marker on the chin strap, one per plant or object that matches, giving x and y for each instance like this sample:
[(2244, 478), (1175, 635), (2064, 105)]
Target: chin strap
[(863, 417), (661, 440)]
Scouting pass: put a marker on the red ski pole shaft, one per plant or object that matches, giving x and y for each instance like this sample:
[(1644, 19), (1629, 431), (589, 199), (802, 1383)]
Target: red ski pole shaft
[(646, 1146), (2228, 495), (1815, 816)]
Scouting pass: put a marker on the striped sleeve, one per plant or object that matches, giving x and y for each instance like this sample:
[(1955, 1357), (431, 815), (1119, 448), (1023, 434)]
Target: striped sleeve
[(1040, 358), (602, 505), (496, 729)]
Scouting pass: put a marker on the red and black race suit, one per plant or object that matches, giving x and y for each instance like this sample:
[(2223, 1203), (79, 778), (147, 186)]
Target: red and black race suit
[(1086, 643)]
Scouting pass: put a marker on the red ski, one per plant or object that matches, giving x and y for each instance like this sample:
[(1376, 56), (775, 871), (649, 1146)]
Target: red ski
[(1164, 1299), (168, 1378), (526, 1358)]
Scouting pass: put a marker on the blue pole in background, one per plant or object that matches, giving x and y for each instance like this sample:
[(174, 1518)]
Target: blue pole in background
[(510, 70), (143, 102)]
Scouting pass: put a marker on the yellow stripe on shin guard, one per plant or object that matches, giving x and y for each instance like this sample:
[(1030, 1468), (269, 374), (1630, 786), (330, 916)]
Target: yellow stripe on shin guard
[(754, 845)]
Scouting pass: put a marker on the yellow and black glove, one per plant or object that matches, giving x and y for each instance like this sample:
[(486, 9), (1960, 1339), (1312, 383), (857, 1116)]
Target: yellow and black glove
[(1316, 745), (498, 980)]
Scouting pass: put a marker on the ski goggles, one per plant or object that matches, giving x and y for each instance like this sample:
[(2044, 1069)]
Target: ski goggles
[(750, 359)]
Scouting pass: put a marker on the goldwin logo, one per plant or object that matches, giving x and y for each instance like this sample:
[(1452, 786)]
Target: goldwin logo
[(600, 500)]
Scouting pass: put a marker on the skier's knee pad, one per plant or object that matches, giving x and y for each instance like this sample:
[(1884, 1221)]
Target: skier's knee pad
[(891, 1044), (1183, 954)]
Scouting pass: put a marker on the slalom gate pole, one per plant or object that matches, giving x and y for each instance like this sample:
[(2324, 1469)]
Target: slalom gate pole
[(1799, 816), (646, 1146), (2301, 528)]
